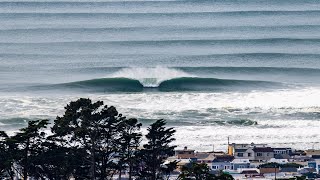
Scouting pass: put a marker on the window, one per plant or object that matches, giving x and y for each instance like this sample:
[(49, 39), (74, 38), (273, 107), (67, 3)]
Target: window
[(226, 167), (268, 154), (240, 154), (241, 166), (259, 154), (215, 167), (249, 154)]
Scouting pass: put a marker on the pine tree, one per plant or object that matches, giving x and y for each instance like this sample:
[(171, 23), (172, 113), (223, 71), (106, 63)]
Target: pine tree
[(128, 143), (156, 150), (27, 146), (6, 157), (91, 129)]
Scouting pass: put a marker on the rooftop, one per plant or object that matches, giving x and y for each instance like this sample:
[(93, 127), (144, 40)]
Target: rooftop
[(225, 158), (263, 149), (185, 149), (249, 172), (240, 150), (240, 161)]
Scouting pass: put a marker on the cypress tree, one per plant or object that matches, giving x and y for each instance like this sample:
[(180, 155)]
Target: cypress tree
[(27, 145), (157, 149)]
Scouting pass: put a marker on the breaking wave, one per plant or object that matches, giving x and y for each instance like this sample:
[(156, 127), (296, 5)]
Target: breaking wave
[(153, 84)]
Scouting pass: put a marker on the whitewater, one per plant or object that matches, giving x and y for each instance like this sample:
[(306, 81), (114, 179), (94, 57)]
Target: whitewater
[(248, 70)]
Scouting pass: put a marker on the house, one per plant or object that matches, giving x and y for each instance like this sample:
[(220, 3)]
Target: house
[(278, 161), (309, 172), (240, 164), (282, 151), (246, 173), (222, 162), (253, 152), (283, 156), (250, 173), (298, 153), (185, 153), (314, 163), (263, 153), (312, 152), (206, 157), (234, 149)]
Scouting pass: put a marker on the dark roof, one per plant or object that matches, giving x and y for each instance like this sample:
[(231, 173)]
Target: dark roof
[(263, 149), (282, 156), (249, 172), (288, 170), (315, 156), (282, 148), (312, 170), (240, 150), (224, 158), (185, 150), (202, 155)]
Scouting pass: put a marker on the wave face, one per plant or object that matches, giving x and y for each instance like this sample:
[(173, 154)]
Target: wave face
[(153, 84), (244, 69)]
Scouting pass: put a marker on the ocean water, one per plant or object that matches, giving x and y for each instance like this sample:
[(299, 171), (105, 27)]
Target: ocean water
[(244, 69)]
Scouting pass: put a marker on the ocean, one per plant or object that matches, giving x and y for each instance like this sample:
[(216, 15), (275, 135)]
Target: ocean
[(244, 69)]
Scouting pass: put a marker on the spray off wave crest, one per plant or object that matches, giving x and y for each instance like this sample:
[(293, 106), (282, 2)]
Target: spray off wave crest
[(150, 77)]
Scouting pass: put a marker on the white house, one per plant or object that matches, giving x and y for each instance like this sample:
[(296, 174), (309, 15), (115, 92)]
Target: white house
[(279, 161)]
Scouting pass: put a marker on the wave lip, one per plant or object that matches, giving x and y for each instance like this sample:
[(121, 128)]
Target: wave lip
[(151, 77)]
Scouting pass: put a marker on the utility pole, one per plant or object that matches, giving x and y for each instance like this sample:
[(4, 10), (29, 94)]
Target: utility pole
[(275, 171), (228, 145)]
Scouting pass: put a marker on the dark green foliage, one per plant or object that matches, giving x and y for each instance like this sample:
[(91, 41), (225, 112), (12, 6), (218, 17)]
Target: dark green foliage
[(6, 157), (27, 145), (92, 129), (54, 162), (90, 141), (156, 150), (167, 168), (224, 176), (196, 171), (128, 144)]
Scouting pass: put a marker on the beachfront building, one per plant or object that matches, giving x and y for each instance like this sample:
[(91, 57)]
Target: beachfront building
[(222, 162), (282, 151), (240, 164), (312, 152), (315, 163), (278, 161), (185, 153), (262, 153), (236, 149), (255, 153)]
